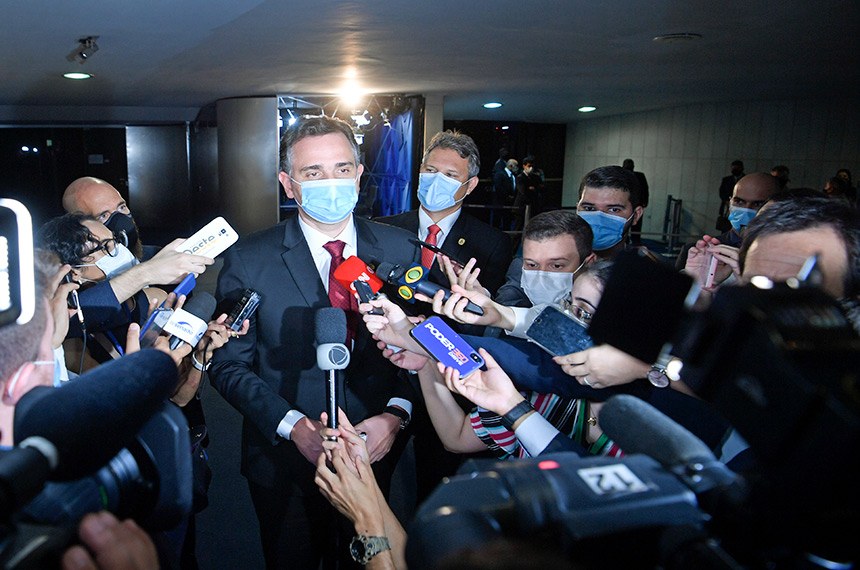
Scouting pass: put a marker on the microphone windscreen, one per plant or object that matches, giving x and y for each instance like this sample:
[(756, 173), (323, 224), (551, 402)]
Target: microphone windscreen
[(90, 419), (329, 325), (354, 269), (637, 427), (386, 271), (201, 305)]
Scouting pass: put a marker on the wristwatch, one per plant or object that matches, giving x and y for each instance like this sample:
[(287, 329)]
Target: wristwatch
[(363, 547), (400, 413), (518, 411), (658, 377)]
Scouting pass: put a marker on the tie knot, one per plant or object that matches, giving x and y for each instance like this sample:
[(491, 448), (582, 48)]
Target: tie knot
[(335, 248), (433, 230)]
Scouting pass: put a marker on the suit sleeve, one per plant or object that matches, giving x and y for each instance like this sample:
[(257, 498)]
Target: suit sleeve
[(102, 310), (492, 274), (232, 372)]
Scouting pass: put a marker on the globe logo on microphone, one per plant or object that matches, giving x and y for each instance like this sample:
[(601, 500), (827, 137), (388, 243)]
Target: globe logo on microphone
[(338, 355)]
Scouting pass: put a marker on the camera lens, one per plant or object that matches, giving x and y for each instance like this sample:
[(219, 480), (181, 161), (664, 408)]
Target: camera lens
[(475, 357)]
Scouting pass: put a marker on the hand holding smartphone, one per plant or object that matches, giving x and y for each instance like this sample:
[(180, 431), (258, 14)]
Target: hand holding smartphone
[(446, 346), (558, 333)]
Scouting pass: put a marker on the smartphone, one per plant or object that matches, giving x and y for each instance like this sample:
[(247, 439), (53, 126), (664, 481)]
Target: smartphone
[(154, 326), (366, 294), (72, 301), (443, 344), (558, 333), (211, 239), (709, 270), (243, 310), (436, 249)]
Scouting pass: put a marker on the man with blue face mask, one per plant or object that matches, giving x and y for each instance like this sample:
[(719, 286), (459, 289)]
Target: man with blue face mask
[(750, 193), (611, 202), (271, 375), (448, 174)]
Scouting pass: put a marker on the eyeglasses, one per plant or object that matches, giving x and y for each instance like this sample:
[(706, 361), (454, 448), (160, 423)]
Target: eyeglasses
[(575, 310), (106, 245)]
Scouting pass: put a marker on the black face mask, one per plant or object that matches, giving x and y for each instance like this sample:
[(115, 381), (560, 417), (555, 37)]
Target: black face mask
[(124, 229)]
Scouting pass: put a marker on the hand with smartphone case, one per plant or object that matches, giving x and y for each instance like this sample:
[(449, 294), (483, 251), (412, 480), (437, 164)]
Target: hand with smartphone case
[(558, 333), (446, 346)]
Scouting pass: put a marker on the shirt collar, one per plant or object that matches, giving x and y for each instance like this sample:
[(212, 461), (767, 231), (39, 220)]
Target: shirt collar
[(316, 239), (445, 225)]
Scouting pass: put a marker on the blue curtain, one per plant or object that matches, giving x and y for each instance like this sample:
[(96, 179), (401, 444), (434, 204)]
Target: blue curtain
[(390, 163)]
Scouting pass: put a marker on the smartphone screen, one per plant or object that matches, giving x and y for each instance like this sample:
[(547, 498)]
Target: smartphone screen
[(446, 346), (558, 333)]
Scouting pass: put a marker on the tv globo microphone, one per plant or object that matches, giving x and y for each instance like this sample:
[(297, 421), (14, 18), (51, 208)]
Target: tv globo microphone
[(332, 353)]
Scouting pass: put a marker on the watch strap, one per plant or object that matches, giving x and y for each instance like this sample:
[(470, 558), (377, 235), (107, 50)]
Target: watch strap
[(400, 413), (370, 547), (518, 411)]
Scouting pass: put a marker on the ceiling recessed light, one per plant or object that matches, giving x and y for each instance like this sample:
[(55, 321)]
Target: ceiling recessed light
[(505, 127), (492, 105), (77, 75), (587, 109), (677, 38)]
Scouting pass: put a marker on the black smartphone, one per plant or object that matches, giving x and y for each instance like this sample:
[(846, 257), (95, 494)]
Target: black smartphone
[(558, 333), (366, 294), (436, 249), (243, 310)]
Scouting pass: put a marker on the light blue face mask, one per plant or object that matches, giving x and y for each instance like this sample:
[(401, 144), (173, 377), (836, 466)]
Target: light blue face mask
[(328, 201), (741, 217), (436, 191), (608, 230)]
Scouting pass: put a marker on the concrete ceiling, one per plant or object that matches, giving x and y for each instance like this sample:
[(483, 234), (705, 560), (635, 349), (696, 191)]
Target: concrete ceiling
[(542, 59)]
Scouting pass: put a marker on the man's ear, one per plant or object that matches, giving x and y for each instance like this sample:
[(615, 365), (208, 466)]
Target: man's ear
[(286, 184), (592, 257), (637, 214), (18, 385), (358, 172), (471, 184)]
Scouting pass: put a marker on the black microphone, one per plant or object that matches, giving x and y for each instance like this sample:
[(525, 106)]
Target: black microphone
[(413, 280), (332, 354), (189, 323), (637, 427), (90, 419)]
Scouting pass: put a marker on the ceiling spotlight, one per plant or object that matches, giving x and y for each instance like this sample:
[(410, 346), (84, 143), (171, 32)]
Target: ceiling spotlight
[(77, 75), (492, 105), (360, 118), (86, 48), (587, 109), (292, 120), (505, 127)]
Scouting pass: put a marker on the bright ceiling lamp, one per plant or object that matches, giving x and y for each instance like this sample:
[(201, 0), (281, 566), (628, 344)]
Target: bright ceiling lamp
[(587, 109), (77, 75), (492, 105)]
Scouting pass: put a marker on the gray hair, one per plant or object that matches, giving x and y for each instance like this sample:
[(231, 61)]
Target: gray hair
[(462, 144)]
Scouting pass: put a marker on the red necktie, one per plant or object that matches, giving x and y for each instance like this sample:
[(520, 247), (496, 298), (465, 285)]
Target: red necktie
[(428, 256), (339, 296)]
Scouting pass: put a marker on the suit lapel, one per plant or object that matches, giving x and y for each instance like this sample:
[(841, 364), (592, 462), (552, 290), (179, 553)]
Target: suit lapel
[(300, 265), (458, 238)]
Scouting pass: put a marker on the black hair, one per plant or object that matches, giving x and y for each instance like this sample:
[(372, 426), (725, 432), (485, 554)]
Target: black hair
[(67, 236), (313, 126), (614, 177), (554, 223), (786, 216)]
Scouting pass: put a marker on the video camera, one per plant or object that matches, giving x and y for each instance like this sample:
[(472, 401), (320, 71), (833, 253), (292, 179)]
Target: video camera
[(779, 361), (108, 440)]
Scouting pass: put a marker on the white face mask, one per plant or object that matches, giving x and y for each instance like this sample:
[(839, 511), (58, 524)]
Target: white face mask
[(13, 383), (112, 265), (546, 287)]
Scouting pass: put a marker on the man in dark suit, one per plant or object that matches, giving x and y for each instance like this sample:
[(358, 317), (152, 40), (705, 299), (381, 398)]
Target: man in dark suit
[(270, 375), (449, 173)]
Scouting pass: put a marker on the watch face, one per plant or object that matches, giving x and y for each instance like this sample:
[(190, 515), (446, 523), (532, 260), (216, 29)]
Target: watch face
[(357, 550), (658, 378)]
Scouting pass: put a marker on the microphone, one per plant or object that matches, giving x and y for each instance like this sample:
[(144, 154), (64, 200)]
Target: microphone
[(638, 427), (332, 354), (189, 323), (90, 419), (414, 280), (354, 269)]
